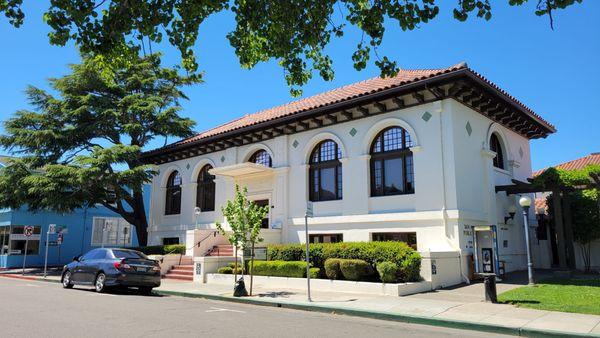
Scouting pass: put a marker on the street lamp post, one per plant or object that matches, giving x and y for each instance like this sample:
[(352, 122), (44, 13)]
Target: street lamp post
[(525, 203)]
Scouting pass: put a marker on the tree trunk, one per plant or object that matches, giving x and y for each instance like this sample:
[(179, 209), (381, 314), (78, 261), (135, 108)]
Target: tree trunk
[(235, 267), (252, 269), (141, 224), (558, 223), (568, 231)]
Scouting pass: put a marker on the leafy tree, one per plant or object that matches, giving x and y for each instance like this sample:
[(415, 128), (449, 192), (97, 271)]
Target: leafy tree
[(83, 147), (584, 203), (294, 32), (244, 218)]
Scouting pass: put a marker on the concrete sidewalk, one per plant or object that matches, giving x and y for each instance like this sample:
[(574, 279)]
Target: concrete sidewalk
[(441, 308), (460, 307)]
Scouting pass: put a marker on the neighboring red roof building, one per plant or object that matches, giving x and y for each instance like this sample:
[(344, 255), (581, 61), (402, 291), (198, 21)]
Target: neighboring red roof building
[(578, 164)]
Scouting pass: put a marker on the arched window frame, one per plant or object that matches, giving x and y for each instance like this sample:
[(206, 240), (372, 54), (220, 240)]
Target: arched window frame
[(322, 159), (496, 146), (379, 155), (173, 194), (261, 157), (205, 192)]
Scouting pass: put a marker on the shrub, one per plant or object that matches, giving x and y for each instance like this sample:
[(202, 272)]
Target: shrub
[(225, 270), (355, 269), (407, 260), (178, 249), (332, 268), (280, 268), (388, 272), (314, 272)]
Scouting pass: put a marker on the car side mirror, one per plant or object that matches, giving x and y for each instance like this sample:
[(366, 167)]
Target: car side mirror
[(76, 258)]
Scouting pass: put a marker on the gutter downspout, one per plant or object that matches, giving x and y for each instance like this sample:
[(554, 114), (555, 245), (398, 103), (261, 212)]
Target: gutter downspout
[(444, 213)]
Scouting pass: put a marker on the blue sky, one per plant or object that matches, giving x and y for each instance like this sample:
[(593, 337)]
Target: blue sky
[(554, 72)]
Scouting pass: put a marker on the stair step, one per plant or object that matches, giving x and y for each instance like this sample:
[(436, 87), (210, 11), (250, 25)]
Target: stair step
[(181, 272), (179, 277), (183, 267)]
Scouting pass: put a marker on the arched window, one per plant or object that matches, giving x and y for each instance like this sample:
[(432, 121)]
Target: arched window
[(392, 170), (496, 147), (205, 195), (325, 173), (173, 196), (261, 157)]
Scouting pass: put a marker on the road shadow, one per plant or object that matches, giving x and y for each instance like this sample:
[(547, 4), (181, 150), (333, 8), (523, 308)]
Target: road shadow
[(276, 294), (126, 292)]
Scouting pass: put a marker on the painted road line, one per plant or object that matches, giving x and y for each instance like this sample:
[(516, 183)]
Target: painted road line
[(217, 309)]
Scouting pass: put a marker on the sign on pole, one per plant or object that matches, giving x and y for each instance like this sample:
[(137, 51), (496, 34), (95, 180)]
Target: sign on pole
[(309, 213), (27, 232), (51, 230)]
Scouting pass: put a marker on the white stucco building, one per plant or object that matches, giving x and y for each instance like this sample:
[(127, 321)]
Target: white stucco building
[(413, 158)]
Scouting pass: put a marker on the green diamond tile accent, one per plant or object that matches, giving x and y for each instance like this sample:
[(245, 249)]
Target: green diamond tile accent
[(222, 158), (469, 128), (295, 144), (353, 132), (426, 116), (521, 152), (187, 166)]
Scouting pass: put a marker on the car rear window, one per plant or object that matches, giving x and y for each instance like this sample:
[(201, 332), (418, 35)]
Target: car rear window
[(122, 254)]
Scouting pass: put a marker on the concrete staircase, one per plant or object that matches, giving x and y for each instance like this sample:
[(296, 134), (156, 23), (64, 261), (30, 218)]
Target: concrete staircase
[(184, 271), (225, 250)]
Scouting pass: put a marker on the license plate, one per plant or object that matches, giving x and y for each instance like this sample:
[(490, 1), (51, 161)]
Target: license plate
[(141, 269)]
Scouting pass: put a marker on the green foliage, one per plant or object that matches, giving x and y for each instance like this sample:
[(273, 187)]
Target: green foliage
[(295, 33), (388, 272), (355, 269), (227, 270), (295, 269), (314, 272), (332, 268), (84, 146), (178, 249), (408, 260), (565, 295)]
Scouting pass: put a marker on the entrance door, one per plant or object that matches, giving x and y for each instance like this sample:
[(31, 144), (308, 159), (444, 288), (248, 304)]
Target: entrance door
[(265, 221)]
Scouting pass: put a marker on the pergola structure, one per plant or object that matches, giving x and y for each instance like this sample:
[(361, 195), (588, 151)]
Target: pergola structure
[(562, 211)]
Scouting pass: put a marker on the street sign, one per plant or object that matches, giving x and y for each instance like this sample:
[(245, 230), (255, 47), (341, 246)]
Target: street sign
[(309, 209), (52, 229), (28, 231)]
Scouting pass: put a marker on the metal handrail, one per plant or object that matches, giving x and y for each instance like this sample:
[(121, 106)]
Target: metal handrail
[(214, 234)]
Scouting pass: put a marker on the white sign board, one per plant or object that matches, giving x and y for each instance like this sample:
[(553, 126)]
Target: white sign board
[(52, 229), (309, 209)]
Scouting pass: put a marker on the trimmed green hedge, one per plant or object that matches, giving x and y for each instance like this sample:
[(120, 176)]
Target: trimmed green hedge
[(227, 270), (178, 249), (355, 269), (282, 269), (388, 272), (399, 253), (332, 268)]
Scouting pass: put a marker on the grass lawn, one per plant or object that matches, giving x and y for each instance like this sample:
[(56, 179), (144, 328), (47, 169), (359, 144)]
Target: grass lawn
[(566, 295)]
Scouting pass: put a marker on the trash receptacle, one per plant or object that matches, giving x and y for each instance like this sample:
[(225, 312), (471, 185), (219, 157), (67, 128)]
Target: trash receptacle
[(489, 282)]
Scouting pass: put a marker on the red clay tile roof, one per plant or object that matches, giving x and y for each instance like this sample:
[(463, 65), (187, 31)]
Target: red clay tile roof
[(580, 163), (540, 204), (358, 89)]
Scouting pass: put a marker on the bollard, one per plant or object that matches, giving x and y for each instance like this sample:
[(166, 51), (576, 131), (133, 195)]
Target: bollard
[(489, 282)]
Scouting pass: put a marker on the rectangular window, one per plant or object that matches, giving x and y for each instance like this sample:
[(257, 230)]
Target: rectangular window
[(265, 221), (18, 241), (325, 238), (111, 231), (409, 238), (4, 239), (170, 240)]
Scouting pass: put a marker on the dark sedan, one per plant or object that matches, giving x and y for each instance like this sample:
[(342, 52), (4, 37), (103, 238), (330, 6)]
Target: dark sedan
[(110, 267)]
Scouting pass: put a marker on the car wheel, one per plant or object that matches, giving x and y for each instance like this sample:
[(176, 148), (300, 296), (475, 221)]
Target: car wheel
[(145, 290), (99, 284), (66, 280)]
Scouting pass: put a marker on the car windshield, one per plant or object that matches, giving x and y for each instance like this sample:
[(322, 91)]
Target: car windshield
[(122, 254)]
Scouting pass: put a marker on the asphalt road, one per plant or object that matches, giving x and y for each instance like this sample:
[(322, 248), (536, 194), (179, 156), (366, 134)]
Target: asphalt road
[(39, 309)]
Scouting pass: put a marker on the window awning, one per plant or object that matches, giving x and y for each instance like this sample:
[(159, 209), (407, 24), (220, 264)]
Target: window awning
[(242, 169)]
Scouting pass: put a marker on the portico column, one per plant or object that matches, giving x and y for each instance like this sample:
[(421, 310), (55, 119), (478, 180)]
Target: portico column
[(224, 191)]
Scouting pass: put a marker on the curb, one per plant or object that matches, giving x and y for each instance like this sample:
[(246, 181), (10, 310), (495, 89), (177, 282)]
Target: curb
[(30, 278), (455, 324)]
